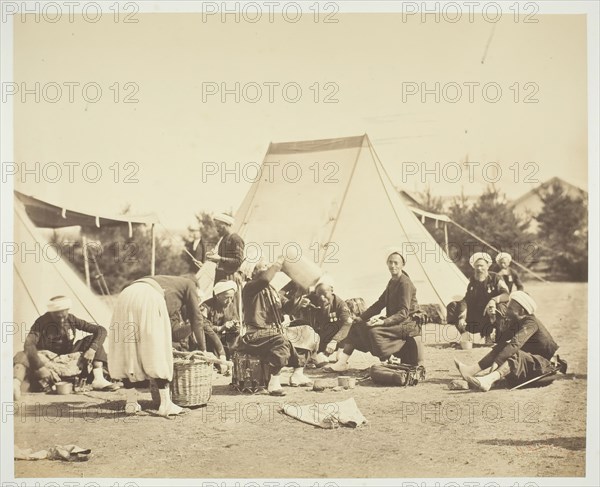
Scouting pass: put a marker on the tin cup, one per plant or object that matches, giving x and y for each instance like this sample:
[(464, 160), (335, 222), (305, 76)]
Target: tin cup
[(64, 388), (347, 382)]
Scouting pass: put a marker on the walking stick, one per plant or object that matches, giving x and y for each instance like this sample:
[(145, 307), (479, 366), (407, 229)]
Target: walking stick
[(561, 366)]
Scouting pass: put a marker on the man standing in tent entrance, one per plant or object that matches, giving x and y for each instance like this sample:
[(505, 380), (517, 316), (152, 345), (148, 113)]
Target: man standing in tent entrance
[(54, 331)]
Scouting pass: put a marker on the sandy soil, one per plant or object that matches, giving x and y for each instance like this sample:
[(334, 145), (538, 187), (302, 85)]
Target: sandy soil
[(423, 431)]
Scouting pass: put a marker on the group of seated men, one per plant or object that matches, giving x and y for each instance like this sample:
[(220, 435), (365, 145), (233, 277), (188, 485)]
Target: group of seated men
[(495, 305), (323, 328)]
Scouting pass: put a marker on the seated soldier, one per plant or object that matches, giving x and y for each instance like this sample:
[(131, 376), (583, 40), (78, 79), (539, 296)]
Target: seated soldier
[(55, 331), (398, 333), (356, 307), (220, 314), (265, 335), (484, 302), (510, 276), (329, 315), (523, 352)]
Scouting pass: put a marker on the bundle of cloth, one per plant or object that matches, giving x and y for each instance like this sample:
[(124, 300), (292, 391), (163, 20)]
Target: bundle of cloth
[(65, 366)]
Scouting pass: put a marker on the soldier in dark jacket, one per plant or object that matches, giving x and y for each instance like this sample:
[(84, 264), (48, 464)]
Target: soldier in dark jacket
[(228, 257), (220, 315), (184, 310), (265, 336), (395, 333), (55, 331), (230, 251), (523, 352), (484, 305), (195, 253), (506, 272), (329, 315)]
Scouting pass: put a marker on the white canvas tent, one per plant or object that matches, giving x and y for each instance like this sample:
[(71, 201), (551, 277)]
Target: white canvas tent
[(334, 200), (40, 271)]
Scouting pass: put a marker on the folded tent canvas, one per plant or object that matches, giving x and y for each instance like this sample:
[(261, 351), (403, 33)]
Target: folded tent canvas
[(332, 202)]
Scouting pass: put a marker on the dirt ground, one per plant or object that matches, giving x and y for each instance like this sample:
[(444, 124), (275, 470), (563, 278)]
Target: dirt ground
[(422, 431)]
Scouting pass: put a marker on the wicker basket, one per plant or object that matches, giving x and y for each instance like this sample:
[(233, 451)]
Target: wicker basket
[(192, 381)]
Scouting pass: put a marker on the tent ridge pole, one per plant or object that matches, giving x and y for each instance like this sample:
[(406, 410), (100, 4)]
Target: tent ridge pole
[(86, 262), (153, 251)]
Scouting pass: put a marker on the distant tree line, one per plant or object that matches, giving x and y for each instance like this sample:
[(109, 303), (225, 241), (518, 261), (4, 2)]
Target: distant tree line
[(559, 248)]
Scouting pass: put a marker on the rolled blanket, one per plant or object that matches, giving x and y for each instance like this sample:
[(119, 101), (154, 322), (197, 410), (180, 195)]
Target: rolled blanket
[(64, 365), (303, 336)]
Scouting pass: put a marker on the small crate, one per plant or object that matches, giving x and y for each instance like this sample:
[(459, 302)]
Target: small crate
[(250, 373)]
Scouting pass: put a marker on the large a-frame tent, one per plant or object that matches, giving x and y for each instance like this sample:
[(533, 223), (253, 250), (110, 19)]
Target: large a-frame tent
[(40, 271), (333, 199)]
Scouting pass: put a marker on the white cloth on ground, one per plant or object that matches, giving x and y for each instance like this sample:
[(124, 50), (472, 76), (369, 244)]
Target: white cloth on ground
[(327, 415), (69, 453)]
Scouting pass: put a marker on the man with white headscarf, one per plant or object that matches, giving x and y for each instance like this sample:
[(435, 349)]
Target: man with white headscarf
[(229, 254), (220, 314), (228, 257), (523, 352), (484, 302), (510, 276), (55, 331)]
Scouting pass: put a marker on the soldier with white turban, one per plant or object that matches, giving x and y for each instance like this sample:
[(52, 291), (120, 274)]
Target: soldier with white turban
[(523, 351), (219, 313), (228, 257), (510, 276), (229, 254), (484, 301), (55, 331)]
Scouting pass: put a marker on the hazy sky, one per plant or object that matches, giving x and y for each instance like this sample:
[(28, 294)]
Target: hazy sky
[(369, 61)]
